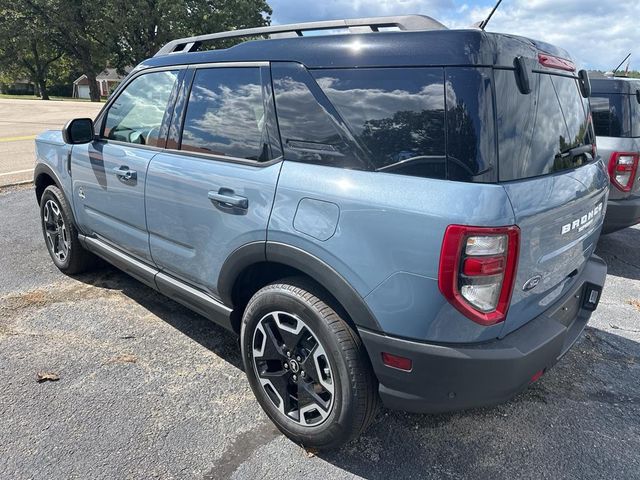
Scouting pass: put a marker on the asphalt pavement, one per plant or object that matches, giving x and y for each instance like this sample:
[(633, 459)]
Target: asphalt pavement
[(21, 121), (148, 389)]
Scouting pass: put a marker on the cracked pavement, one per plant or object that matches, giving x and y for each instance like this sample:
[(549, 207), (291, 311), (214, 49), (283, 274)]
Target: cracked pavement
[(148, 389)]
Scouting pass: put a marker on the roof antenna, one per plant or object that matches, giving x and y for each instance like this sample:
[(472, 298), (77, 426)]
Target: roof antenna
[(616, 69), (483, 23)]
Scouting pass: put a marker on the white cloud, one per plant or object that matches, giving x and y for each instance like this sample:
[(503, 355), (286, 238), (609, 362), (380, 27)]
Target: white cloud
[(598, 34)]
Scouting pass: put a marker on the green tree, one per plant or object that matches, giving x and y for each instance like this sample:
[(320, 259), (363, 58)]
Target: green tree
[(156, 22), (83, 30), (25, 49), (93, 34)]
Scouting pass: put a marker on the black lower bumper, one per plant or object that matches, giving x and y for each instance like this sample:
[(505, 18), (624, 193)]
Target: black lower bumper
[(621, 214), (454, 377)]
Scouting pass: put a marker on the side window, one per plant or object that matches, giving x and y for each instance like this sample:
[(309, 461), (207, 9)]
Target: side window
[(311, 131), (635, 116), (137, 114), (608, 113), (226, 115), (397, 115)]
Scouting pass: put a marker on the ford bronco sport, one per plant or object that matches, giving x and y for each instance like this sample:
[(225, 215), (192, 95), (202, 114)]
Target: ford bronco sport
[(403, 213), (615, 106)]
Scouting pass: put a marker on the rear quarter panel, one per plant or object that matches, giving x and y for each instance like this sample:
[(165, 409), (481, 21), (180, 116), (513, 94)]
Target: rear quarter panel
[(387, 239)]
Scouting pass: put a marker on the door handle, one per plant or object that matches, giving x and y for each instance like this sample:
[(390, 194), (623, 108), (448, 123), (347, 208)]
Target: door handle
[(226, 197), (125, 173)]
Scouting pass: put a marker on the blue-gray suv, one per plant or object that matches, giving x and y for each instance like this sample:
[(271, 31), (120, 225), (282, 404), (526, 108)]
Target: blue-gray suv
[(402, 213)]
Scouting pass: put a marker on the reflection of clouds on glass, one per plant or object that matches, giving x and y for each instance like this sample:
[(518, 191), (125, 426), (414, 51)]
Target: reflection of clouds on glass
[(378, 103), (534, 128), (298, 111), (396, 114), (225, 114), (143, 102)]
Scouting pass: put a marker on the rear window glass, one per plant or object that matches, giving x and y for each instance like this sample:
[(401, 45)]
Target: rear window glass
[(397, 115), (611, 115), (539, 133), (309, 128)]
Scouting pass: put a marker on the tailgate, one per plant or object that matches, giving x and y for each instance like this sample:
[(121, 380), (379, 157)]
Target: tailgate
[(560, 217)]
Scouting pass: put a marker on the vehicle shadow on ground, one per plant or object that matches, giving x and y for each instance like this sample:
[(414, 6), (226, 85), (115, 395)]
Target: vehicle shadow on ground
[(594, 388), (621, 251), (207, 333)]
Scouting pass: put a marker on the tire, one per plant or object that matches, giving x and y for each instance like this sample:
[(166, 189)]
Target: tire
[(60, 233), (291, 317)]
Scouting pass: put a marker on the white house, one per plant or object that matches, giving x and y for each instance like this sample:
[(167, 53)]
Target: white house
[(108, 80)]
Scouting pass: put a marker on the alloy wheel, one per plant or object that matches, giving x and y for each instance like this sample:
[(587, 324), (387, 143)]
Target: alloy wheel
[(56, 231), (293, 368)]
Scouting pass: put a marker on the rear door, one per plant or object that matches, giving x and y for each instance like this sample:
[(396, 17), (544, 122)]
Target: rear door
[(557, 189), (212, 190), (109, 173), (616, 118)]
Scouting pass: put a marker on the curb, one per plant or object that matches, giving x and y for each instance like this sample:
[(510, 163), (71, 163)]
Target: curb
[(16, 184)]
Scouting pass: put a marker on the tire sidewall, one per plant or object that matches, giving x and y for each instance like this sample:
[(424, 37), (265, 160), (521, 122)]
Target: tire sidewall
[(339, 422)]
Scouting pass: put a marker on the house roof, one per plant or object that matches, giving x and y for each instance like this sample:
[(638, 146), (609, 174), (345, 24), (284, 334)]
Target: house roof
[(109, 74)]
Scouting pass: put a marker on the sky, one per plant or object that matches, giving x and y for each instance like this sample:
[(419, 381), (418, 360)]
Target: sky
[(597, 33)]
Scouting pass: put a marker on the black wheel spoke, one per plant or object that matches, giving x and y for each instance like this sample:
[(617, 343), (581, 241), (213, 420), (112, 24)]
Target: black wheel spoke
[(308, 364), (307, 395), (282, 386), (273, 346), (293, 340)]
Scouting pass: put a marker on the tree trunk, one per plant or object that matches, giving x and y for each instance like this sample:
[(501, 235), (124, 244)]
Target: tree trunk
[(94, 91), (42, 86), (39, 72)]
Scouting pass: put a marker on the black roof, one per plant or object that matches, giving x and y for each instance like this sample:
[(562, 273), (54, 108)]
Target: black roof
[(627, 86), (389, 49)]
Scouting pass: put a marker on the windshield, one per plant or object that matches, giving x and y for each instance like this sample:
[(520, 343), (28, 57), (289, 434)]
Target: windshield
[(543, 132)]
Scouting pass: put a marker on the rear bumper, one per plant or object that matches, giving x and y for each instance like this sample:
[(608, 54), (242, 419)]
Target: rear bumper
[(455, 377), (621, 214)]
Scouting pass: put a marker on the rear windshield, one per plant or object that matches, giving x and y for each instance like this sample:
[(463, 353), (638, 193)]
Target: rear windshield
[(541, 132), (615, 115)]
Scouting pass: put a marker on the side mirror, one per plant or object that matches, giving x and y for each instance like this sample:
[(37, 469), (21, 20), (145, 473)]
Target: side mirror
[(638, 95), (585, 83), (78, 130)]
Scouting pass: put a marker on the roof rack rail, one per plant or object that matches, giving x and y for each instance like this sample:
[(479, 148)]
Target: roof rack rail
[(355, 25)]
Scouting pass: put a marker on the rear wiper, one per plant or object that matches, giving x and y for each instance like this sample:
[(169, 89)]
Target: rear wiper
[(576, 152)]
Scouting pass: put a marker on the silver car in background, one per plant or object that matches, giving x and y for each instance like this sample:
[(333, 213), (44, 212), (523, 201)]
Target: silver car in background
[(615, 106)]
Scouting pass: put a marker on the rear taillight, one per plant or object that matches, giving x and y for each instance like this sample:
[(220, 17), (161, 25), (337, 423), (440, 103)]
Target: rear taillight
[(477, 270), (623, 167), (558, 63)]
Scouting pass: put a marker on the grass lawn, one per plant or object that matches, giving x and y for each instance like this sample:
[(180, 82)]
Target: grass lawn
[(55, 99)]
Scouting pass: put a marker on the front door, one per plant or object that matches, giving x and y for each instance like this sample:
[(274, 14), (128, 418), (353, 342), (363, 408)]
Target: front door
[(109, 174), (213, 191)]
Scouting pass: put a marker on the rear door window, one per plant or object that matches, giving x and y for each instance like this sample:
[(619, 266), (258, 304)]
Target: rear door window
[(537, 132), (226, 114), (397, 115)]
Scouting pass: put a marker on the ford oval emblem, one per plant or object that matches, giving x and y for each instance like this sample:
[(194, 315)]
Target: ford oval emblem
[(531, 283)]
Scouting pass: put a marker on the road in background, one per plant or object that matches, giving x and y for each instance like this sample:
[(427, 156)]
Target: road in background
[(148, 389), (21, 121)]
